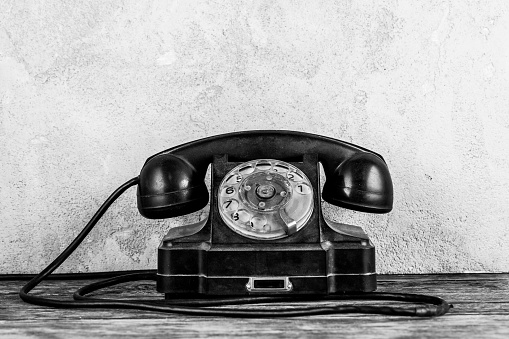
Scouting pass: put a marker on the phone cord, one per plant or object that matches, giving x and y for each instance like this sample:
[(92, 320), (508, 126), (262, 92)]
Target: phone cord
[(436, 306)]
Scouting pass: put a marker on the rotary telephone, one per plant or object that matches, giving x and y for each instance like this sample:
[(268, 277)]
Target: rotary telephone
[(265, 236), (265, 232)]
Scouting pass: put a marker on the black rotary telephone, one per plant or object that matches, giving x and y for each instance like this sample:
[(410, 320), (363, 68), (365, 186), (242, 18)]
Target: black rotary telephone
[(265, 232), (265, 238)]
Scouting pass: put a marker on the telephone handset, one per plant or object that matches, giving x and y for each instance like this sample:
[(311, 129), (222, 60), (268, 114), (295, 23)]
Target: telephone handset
[(172, 182), (265, 232), (265, 238)]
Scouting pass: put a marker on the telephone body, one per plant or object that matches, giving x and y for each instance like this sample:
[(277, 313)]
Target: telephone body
[(265, 233)]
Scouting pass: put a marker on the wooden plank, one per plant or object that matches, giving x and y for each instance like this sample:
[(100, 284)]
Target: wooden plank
[(481, 309), (448, 276), (333, 326)]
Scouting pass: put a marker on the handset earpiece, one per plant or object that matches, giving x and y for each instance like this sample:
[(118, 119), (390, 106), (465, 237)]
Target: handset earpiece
[(170, 186), (362, 183)]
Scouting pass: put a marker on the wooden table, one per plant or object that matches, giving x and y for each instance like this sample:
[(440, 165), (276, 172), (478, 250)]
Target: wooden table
[(481, 310)]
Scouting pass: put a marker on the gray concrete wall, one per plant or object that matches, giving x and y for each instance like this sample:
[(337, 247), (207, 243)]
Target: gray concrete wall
[(90, 89)]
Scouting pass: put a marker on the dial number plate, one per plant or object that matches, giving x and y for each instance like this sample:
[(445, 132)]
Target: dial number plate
[(265, 199)]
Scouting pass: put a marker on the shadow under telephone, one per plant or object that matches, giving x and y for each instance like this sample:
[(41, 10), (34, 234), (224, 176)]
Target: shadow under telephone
[(265, 238)]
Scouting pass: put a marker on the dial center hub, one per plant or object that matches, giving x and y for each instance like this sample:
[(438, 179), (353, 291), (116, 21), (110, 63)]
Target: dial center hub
[(265, 191)]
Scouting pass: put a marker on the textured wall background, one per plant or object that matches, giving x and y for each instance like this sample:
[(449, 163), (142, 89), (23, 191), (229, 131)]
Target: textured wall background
[(90, 89)]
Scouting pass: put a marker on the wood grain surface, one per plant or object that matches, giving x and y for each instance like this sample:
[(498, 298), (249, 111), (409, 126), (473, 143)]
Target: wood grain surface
[(481, 310)]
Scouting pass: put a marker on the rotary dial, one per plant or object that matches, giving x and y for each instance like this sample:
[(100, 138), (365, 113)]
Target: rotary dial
[(265, 199)]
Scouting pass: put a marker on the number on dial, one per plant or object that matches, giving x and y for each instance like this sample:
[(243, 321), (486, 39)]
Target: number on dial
[(231, 205), (228, 191)]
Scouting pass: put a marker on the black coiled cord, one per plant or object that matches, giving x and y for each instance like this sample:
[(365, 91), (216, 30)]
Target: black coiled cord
[(436, 306)]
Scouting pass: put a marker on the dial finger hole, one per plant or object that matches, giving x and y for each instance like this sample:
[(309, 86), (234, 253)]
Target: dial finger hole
[(263, 166), (234, 179), (242, 216), (246, 170), (303, 188), (231, 205), (280, 168), (228, 191), (258, 222), (294, 176)]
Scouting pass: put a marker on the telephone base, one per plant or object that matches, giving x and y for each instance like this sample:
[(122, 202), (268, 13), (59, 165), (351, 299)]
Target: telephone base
[(265, 234), (324, 268)]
